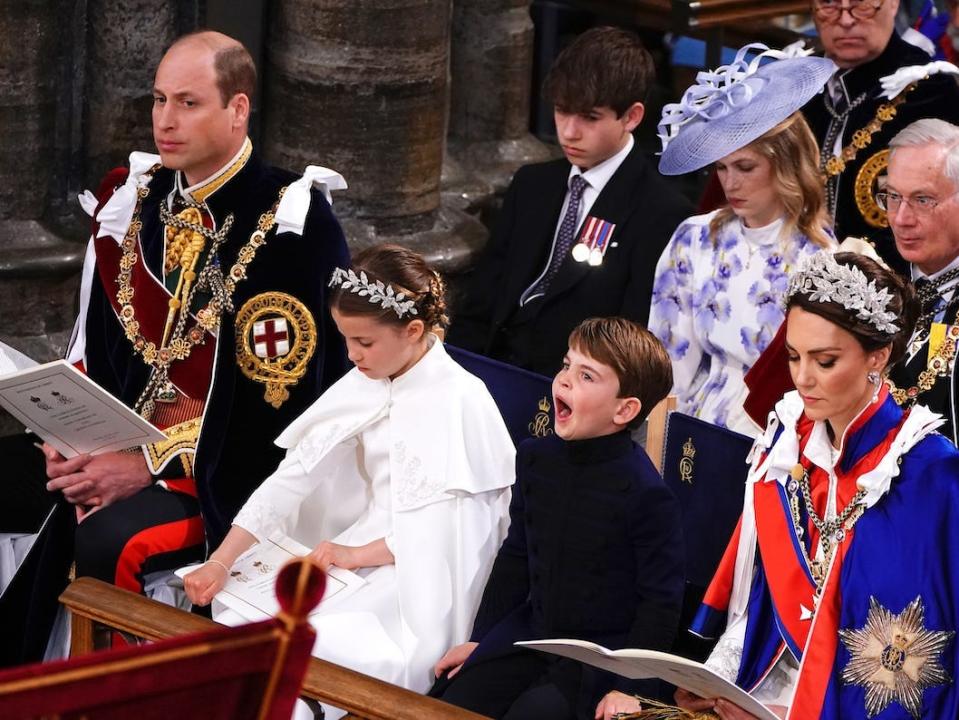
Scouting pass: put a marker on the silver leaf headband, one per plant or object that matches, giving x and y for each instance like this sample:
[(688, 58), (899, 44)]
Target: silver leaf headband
[(718, 92), (822, 279), (376, 292)]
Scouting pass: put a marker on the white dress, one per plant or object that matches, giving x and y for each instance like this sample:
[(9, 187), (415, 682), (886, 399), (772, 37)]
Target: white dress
[(716, 306), (423, 461)]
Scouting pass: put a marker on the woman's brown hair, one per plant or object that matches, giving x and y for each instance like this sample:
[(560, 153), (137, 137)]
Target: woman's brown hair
[(794, 153), (406, 272), (903, 303)]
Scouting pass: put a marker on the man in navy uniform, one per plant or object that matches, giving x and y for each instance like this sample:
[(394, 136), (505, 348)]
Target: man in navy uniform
[(203, 307)]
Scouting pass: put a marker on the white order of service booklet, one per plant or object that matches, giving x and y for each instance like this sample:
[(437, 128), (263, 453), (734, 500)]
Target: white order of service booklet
[(71, 412), (642, 664), (250, 589)]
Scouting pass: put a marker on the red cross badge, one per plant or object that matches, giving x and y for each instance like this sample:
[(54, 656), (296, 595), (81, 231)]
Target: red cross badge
[(271, 338), (275, 339)]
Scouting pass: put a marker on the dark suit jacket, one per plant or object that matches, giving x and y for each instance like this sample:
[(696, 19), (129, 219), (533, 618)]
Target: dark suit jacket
[(645, 211), (594, 552)]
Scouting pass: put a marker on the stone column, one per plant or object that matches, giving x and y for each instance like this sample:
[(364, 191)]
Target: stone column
[(28, 109), (125, 44), (361, 86), (37, 267), (491, 66)]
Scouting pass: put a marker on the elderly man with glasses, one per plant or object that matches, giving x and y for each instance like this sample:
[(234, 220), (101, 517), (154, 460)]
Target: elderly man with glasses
[(921, 200), (859, 112)]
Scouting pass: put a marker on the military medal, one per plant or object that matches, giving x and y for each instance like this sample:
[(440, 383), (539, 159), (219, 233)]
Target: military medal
[(593, 241)]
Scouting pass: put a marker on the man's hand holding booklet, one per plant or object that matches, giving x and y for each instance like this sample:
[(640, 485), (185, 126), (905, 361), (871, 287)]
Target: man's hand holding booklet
[(71, 412)]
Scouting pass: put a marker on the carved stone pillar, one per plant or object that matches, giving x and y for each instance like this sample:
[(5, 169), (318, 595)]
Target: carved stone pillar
[(361, 86), (492, 55), (125, 44)]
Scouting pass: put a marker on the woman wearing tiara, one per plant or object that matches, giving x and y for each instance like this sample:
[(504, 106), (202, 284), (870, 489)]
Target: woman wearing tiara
[(838, 596), (718, 284), (400, 471)]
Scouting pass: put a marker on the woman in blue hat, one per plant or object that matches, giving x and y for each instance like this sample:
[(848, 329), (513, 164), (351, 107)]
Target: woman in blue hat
[(719, 283)]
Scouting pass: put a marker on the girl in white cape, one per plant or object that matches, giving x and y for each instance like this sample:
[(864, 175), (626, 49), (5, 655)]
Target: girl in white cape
[(399, 471)]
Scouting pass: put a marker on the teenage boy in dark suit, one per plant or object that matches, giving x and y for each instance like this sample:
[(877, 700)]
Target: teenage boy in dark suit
[(577, 237)]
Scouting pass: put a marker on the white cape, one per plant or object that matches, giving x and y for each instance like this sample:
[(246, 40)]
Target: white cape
[(451, 464)]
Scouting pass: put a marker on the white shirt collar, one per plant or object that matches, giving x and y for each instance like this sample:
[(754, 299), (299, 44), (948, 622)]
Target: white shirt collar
[(187, 192), (598, 175), (916, 273)]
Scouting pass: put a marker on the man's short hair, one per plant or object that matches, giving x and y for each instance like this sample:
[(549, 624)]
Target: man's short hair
[(603, 67), (232, 64), (638, 358), (931, 131)]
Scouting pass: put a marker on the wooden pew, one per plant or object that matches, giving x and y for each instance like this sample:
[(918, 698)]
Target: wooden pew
[(93, 602), (734, 22)]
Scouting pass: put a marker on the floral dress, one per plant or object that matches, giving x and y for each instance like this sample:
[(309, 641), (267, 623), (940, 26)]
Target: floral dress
[(717, 303)]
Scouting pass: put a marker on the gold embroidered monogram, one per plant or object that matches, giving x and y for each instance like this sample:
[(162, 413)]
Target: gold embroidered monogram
[(275, 340), (539, 427), (686, 462), (895, 658)]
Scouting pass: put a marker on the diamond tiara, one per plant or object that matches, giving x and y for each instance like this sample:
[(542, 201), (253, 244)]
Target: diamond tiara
[(822, 279), (376, 292)]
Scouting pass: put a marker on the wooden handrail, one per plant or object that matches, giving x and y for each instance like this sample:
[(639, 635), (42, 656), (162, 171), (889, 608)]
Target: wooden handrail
[(656, 430), (95, 602), (685, 15)]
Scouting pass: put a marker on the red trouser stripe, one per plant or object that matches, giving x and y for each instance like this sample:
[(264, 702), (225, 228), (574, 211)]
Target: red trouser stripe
[(153, 541)]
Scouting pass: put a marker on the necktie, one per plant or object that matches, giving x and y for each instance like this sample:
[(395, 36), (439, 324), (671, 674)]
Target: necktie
[(565, 235)]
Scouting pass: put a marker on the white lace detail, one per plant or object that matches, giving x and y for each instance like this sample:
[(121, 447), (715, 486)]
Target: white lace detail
[(726, 656), (414, 488), (313, 446), (260, 518)]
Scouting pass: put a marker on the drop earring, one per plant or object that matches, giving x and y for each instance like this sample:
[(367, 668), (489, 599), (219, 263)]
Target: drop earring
[(873, 377)]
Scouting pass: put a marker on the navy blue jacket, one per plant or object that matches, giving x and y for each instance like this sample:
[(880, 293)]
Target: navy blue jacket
[(594, 552), (235, 451)]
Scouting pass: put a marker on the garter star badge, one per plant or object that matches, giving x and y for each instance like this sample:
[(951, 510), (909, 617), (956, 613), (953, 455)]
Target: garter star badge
[(275, 339), (895, 658)]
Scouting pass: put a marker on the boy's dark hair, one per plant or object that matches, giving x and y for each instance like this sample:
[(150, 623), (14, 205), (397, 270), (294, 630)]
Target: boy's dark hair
[(639, 360), (603, 67)]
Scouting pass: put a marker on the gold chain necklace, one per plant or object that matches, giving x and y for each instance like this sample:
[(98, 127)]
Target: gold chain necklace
[(863, 137), (181, 342), (831, 532), (938, 366)]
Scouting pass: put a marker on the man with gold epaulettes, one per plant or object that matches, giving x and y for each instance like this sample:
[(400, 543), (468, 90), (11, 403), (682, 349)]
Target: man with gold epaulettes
[(883, 84), (203, 308)]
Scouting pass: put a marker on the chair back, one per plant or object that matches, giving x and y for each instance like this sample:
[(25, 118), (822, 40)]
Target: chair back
[(705, 467), (252, 672), (524, 398)]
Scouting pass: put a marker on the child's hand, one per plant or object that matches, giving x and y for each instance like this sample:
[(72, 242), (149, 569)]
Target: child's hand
[(343, 556), (615, 703), (454, 658), (205, 582)]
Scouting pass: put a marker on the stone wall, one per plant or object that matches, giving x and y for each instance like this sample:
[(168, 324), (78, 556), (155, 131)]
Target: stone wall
[(362, 86)]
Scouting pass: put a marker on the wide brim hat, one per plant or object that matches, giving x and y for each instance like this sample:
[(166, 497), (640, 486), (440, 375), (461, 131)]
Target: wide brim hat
[(732, 106)]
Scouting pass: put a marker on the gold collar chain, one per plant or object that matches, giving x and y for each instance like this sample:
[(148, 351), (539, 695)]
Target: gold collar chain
[(938, 366), (863, 137), (181, 341), (831, 532)]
